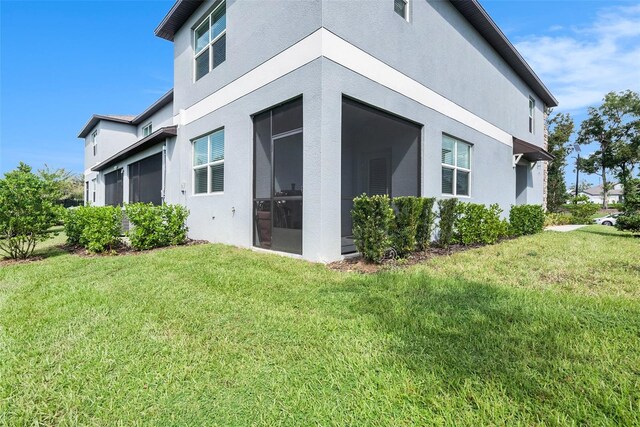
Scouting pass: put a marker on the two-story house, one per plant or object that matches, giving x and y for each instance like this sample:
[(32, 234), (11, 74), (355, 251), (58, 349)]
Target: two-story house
[(283, 111)]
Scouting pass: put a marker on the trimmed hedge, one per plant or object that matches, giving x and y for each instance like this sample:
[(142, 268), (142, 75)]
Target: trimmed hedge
[(629, 222), (478, 224), (405, 224), (372, 220), (156, 226), (526, 219), (426, 223), (96, 228), (447, 212)]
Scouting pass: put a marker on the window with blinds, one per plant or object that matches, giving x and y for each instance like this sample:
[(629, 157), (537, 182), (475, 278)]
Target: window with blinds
[(210, 41), (401, 7), (208, 163), (456, 166)]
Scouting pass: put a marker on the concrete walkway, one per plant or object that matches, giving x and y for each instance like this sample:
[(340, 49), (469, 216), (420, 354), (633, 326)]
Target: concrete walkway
[(564, 228)]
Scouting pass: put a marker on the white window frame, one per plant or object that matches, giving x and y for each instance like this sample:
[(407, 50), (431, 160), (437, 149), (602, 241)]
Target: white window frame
[(94, 189), (209, 46), (456, 168), (532, 115), (144, 128), (406, 10), (208, 164), (94, 142)]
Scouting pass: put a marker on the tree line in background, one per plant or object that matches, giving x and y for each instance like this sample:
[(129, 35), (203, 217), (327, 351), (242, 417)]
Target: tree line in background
[(614, 127)]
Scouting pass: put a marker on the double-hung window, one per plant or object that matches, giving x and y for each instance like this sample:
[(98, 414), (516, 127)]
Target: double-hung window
[(401, 7), (94, 142), (209, 41), (532, 114), (456, 167), (208, 163), (147, 130)]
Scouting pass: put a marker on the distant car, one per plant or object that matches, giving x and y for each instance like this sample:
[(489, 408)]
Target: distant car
[(607, 220)]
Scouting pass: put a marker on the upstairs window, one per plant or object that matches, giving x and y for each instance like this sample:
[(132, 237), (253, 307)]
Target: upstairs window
[(146, 131), (208, 163), (94, 142), (532, 115), (209, 41), (401, 7), (456, 167)]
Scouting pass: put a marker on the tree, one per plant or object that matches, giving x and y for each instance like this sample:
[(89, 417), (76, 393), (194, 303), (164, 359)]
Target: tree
[(582, 187), (560, 129), (28, 209), (70, 185), (615, 127), (630, 219)]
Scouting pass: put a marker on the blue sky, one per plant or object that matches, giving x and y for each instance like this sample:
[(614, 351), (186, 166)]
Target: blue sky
[(61, 61)]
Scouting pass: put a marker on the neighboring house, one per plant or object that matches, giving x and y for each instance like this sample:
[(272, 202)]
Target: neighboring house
[(596, 195), (283, 111)]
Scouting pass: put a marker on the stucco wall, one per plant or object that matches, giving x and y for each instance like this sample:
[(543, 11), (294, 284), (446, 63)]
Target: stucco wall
[(439, 48), (256, 31), (162, 117), (112, 138)]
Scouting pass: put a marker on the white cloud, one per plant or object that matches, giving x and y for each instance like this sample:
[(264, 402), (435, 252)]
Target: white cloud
[(585, 63)]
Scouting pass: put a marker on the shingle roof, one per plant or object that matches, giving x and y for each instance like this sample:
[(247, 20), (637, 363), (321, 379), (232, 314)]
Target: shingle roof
[(129, 120), (596, 190)]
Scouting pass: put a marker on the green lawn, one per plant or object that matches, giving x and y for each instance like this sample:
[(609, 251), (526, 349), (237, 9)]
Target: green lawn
[(542, 330)]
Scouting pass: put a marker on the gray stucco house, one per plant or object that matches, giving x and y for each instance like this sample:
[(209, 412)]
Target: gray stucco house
[(282, 111)]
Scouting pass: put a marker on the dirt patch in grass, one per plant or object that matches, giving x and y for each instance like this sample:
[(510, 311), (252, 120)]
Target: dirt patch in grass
[(9, 261), (358, 264), (82, 252), (123, 249)]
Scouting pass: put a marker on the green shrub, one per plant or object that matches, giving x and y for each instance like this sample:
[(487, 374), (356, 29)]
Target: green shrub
[(479, 224), (74, 223), (405, 225), (28, 210), (632, 196), (582, 210), (447, 217), (617, 206), (526, 219), (156, 226), (629, 222), (426, 222), (372, 219), (100, 227), (557, 218)]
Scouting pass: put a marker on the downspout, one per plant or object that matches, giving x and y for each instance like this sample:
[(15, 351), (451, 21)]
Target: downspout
[(164, 171)]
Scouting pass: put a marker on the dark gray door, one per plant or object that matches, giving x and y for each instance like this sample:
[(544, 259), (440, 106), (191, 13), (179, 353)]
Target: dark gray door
[(113, 188), (145, 180), (278, 178)]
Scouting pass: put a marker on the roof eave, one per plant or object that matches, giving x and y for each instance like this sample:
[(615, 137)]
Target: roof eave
[(153, 108), (176, 17), (95, 119), (473, 11), (144, 143)]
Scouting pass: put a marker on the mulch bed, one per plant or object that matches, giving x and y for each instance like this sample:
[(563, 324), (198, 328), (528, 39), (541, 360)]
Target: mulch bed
[(359, 265)]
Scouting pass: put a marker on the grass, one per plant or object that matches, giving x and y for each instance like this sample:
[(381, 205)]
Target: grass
[(541, 330)]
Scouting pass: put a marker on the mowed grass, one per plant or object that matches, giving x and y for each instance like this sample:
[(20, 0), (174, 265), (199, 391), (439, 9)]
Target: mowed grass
[(542, 330)]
